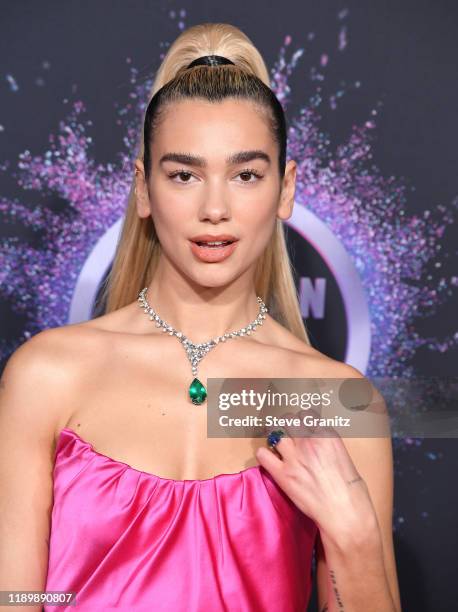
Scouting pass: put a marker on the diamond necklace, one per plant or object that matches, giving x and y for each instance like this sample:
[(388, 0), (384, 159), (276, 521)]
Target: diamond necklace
[(196, 352)]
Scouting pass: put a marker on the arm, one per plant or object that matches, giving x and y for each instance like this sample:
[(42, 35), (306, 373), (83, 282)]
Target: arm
[(29, 409), (356, 565), (345, 485)]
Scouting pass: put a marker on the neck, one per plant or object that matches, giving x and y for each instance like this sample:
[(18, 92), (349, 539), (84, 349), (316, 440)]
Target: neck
[(202, 313)]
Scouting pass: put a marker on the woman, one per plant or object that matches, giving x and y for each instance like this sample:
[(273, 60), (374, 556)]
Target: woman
[(122, 497)]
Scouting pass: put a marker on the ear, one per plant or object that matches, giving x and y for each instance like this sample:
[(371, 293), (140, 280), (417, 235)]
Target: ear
[(288, 189), (141, 190)]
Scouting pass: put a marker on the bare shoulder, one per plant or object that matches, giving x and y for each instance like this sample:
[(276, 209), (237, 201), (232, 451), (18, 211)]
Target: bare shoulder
[(60, 351), (42, 376), (307, 361), (53, 352), (313, 363)]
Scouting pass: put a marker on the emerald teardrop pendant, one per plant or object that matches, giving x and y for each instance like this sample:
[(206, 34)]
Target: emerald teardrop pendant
[(197, 392), (196, 352)]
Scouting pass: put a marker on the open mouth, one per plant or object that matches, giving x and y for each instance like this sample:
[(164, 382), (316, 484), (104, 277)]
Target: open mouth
[(213, 251), (215, 245)]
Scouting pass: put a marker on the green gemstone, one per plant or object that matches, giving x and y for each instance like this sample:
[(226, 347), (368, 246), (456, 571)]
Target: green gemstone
[(197, 392)]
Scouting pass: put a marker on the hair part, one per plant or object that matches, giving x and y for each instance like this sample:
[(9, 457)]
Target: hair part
[(138, 250)]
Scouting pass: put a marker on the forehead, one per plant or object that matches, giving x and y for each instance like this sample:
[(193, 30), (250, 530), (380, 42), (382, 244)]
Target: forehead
[(230, 123)]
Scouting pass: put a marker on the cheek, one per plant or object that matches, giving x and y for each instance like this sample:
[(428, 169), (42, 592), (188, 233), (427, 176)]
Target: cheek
[(256, 217), (168, 212)]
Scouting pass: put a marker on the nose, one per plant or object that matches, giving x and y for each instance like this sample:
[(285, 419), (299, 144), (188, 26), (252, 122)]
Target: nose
[(215, 206)]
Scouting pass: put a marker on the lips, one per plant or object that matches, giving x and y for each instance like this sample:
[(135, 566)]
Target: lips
[(206, 238), (213, 249)]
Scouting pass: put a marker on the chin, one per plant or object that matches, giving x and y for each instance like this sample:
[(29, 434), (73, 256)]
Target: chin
[(213, 280)]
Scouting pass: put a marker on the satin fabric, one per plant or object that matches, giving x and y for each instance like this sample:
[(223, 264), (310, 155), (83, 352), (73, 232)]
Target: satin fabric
[(128, 540)]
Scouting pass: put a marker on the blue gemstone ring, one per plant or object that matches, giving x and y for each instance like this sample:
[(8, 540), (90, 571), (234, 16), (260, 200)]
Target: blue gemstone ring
[(274, 437)]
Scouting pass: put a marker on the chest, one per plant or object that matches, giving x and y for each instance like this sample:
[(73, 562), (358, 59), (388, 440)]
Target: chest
[(133, 405)]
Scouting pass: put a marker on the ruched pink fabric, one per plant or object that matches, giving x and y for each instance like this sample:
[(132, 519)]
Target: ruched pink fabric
[(128, 540)]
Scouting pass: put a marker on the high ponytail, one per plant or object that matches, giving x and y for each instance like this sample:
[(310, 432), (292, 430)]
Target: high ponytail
[(138, 250)]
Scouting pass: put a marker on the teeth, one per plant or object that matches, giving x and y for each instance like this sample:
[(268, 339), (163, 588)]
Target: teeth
[(214, 243)]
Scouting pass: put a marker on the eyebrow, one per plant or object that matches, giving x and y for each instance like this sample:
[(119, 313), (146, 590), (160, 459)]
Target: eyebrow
[(236, 158)]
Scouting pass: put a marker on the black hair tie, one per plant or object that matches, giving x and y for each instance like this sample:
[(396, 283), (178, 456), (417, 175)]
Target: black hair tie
[(210, 60)]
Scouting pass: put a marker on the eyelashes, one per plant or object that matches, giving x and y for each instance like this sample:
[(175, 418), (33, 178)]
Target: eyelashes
[(246, 171)]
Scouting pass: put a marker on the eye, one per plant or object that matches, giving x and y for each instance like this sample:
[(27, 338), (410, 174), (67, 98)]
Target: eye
[(250, 172), (183, 174), (246, 175)]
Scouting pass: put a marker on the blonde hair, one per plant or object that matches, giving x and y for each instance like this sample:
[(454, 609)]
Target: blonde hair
[(138, 249)]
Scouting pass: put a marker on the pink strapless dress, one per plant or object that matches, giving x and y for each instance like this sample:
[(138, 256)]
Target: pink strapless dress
[(128, 540)]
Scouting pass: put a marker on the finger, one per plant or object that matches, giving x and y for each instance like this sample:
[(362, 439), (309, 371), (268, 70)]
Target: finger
[(278, 440), (331, 450), (270, 462), (293, 447), (316, 428), (292, 424)]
